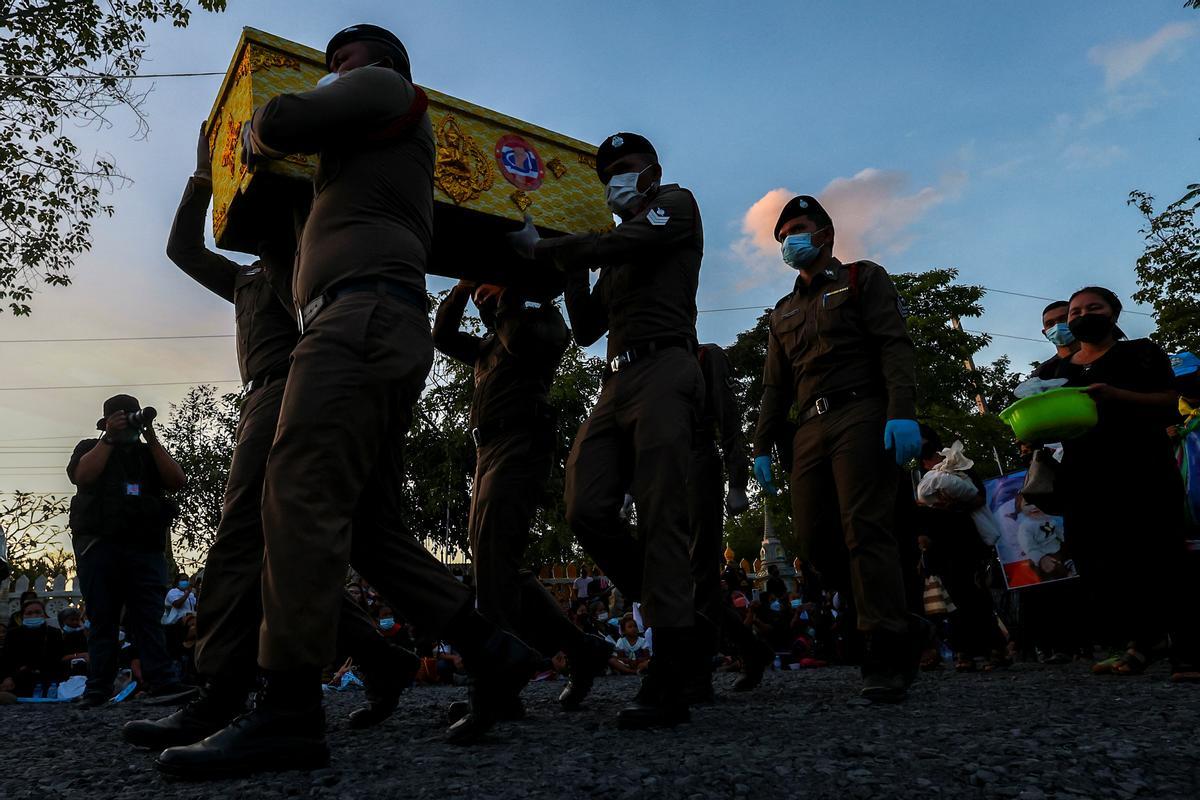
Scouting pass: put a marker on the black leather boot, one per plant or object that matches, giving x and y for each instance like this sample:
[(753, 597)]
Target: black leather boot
[(513, 711), (285, 731), (589, 658), (756, 654), (661, 702), (892, 660), (499, 667), (385, 677), (212, 709)]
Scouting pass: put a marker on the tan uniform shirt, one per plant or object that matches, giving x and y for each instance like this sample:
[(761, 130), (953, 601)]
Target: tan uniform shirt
[(372, 214), (514, 364), (261, 292), (827, 337), (649, 270), (722, 419)]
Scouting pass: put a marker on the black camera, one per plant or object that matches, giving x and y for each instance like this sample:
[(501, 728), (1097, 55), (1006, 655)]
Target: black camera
[(138, 420)]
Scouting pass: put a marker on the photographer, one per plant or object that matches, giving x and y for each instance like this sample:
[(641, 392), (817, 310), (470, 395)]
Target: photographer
[(119, 523)]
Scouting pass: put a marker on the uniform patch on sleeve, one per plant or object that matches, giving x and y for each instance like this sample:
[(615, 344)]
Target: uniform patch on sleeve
[(902, 307), (657, 216)]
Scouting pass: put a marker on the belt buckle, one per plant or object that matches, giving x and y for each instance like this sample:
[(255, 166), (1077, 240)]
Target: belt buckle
[(822, 405), (475, 436)]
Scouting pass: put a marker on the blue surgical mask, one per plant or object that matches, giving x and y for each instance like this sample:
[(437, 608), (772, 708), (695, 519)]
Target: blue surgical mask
[(87, 624), (796, 603), (1060, 335), (184, 584), (33, 622), (775, 605), (71, 629), (387, 623), (798, 250)]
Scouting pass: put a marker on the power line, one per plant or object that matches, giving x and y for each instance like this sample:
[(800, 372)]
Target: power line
[(108, 77), (119, 339), (108, 385), (1052, 299)]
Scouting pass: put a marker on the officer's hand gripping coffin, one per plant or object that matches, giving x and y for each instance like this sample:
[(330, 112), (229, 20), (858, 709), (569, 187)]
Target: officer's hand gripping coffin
[(491, 171)]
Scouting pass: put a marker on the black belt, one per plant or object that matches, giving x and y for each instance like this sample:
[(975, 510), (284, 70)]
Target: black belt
[(643, 349), (834, 400), (306, 315), (488, 431), (278, 374)]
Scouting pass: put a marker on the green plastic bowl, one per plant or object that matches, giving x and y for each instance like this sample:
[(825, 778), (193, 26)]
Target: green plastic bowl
[(1063, 413)]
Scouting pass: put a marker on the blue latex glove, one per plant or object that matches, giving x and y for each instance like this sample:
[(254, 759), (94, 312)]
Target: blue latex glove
[(762, 474), (903, 436)]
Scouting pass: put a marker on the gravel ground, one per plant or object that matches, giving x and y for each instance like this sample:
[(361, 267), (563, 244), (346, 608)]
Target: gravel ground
[(1030, 732)]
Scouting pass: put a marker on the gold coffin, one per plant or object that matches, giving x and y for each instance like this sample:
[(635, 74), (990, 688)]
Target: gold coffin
[(491, 170)]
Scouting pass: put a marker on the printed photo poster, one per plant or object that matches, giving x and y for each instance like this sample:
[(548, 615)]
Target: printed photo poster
[(1032, 546)]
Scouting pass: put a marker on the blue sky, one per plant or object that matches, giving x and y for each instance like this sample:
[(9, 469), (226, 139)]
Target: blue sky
[(998, 138)]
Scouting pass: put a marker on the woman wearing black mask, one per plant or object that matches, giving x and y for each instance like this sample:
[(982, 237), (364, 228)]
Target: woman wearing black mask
[(1122, 491)]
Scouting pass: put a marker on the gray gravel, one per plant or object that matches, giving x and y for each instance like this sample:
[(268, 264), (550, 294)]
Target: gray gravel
[(1031, 732)]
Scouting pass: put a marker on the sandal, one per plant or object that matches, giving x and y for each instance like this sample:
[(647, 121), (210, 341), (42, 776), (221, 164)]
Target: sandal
[(964, 664), (1131, 663), (1105, 666)]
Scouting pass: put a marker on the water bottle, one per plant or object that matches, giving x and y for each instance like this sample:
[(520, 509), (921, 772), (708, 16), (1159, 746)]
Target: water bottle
[(53, 693), (37, 691), (778, 663)]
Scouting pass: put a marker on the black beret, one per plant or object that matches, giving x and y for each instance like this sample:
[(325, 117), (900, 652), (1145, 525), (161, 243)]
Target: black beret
[(803, 205), (620, 145), (369, 33)]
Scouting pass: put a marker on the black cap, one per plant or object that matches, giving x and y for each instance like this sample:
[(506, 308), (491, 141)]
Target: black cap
[(369, 33), (121, 402), (803, 205), (620, 145), (118, 402)]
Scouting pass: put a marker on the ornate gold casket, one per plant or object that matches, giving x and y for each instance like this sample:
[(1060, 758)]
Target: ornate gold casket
[(491, 170)]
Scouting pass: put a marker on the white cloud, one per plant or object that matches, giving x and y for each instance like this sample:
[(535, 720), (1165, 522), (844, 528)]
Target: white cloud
[(1124, 60), (1084, 156), (872, 214)]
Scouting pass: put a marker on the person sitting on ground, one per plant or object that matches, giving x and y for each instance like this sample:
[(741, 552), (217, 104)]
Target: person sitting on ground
[(74, 642), (631, 656), (31, 653)]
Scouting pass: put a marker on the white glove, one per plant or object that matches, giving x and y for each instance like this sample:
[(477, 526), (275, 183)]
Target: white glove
[(736, 501), (525, 240)]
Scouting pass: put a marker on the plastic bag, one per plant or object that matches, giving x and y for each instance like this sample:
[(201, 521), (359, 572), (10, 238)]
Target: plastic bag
[(1036, 386), (947, 482)]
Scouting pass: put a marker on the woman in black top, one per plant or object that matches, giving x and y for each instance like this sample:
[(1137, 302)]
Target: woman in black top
[(1122, 493)]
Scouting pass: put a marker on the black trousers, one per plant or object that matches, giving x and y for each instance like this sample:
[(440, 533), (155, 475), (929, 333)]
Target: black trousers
[(115, 577)]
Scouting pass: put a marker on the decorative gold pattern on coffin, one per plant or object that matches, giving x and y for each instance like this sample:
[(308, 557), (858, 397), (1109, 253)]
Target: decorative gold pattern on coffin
[(219, 215), (230, 157), (265, 59), (557, 167), (587, 159), (463, 171), (521, 200)]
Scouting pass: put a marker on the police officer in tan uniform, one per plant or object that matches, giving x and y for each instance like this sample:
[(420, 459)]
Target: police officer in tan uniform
[(719, 450), (228, 618), (639, 435), (332, 490), (840, 353), (514, 429)]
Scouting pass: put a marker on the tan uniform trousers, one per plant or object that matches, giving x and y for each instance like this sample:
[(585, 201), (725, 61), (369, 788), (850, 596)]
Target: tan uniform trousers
[(510, 477), (706, 500), (337, 466), (639, 437), (840, 466), (230, 608)]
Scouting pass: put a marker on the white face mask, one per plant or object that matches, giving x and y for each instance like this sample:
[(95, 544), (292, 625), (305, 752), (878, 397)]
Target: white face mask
[(333, 76), (622, 195)]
